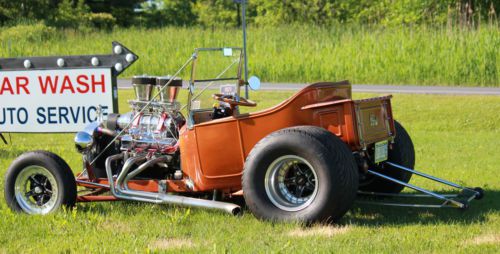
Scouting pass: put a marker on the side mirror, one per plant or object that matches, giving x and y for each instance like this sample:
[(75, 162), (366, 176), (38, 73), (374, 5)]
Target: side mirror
[(254, 83)]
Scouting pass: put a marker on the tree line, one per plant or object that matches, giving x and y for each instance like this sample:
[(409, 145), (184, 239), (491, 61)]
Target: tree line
[(226, 13)]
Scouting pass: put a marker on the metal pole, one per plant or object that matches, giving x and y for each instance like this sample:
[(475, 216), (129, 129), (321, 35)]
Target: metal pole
[(439, 180), (3, 138), (244, 24), (430, 193)]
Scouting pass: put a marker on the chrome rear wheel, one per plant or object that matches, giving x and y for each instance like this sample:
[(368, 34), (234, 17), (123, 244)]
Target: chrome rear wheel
[(302, 173), (291, 183)]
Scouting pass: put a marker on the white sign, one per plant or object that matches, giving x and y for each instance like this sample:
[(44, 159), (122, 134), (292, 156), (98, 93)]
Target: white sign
[(53, 100)]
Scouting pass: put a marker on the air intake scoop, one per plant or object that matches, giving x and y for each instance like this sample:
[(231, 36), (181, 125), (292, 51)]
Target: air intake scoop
[(143, 87), (169, 93)]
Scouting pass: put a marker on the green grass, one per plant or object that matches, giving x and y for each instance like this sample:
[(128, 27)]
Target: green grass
[(456, 137), (416, 55)]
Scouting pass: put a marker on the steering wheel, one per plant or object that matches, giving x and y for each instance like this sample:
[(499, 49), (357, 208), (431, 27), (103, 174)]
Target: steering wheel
[(231, 100)]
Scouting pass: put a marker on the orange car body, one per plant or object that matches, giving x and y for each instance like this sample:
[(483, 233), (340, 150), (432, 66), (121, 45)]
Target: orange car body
[(213, 153)]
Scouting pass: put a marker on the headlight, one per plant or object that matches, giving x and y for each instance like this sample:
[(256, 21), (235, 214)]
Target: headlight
[(83, 141)]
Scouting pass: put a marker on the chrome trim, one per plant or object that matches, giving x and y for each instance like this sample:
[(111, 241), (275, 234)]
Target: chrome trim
[(24, 191), (460, 200), (278, 191), (83, 141), (400, 204), (411, 186), (403, 195), (159, 198), (143, 167), (93, 184), (141, 111), (427, 176)]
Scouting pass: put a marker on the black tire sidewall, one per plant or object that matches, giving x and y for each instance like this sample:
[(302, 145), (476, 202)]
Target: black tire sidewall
[(293, 142), (55, 165)]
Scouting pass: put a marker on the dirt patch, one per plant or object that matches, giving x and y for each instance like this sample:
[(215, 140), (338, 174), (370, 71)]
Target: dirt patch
[(325, 231), (171, 243), (486, 239)]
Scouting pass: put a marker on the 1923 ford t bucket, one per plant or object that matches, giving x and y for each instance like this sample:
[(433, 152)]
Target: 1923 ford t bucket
[(305, 159)]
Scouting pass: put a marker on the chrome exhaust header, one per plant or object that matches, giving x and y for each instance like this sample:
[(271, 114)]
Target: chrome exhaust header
[(121, 190)]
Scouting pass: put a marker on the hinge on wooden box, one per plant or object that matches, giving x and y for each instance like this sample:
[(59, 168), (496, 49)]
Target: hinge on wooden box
[(359, 125)]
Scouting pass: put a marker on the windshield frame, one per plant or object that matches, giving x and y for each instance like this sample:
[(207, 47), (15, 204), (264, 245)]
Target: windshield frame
[(192, 82)]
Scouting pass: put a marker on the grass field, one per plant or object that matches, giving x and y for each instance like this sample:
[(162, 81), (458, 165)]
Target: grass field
[(456, 137), (417, 55)]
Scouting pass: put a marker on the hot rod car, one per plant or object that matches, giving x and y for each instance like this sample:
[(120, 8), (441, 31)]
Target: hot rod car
[(305, 159)]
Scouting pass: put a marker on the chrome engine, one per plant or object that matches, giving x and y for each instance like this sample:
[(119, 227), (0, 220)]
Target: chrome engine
[(156, 127), (151, 128), (143, 144)]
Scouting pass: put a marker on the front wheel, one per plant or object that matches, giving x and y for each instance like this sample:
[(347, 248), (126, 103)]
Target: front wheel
[(39, 182)]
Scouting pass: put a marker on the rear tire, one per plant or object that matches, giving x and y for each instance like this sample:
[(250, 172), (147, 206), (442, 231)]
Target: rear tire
[(39, 182), (402, 153), (302, 173)]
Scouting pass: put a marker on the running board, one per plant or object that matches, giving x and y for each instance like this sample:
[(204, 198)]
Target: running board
[(460, 200)]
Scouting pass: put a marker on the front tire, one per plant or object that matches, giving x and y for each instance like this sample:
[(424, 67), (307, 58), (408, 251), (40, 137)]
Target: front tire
[(302, 173), (39, 182)]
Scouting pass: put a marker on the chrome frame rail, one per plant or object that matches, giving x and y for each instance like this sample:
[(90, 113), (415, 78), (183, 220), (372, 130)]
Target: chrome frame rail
[(449, 200)]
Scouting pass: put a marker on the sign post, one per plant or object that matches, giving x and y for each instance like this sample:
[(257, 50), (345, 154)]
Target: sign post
[(3, 138), (60, 93), (244, 27)]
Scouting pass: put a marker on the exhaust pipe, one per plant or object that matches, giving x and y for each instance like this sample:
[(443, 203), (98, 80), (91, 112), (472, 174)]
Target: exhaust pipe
[(156, 198)]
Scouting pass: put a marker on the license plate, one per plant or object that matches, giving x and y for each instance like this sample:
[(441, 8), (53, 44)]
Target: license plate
[(381, 151)]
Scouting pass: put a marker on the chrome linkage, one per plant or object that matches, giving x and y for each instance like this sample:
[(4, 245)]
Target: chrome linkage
[(460, 200)]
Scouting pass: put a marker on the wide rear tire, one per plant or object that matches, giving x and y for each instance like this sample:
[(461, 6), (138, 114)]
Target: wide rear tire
[(302, 174), (39, 182)]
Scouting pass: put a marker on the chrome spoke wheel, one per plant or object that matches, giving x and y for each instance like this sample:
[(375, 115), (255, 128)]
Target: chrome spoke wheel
[(291, 183), (36, 190)]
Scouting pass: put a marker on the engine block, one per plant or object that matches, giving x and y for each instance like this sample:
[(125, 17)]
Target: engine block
[(158, 130), (153, 124)]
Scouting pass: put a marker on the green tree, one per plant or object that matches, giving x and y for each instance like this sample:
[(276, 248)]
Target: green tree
[(299, 11), (72, 14), (168, 13), (179, 12), (385, 12), (222, 13), (104, 21), (397, 12), (27, 10), (121, 10)]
